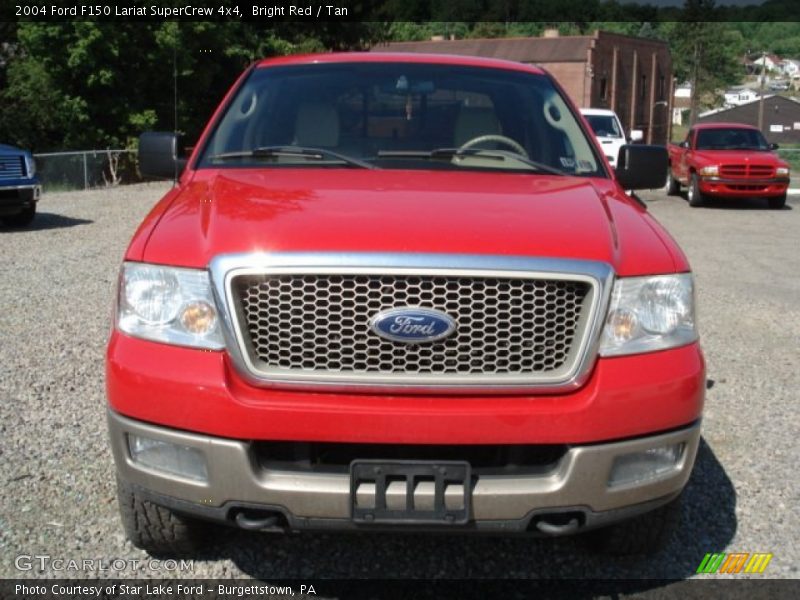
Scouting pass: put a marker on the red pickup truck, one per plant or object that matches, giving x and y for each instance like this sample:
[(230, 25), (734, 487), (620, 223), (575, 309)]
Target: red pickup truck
[(402, 292), (727, 160)]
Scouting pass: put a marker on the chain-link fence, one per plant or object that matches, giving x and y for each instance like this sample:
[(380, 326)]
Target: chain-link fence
[(65, 171)]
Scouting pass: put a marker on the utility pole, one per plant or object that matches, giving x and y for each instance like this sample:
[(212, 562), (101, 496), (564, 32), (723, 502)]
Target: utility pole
[(761, 94), (695, 98)]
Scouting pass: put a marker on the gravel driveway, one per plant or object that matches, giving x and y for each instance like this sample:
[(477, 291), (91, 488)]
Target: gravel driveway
[(57, 494)]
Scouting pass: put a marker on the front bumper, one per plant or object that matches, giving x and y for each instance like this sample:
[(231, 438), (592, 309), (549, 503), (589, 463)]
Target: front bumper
[(15, 198), (237, 481), (743, 188), (200, 391)]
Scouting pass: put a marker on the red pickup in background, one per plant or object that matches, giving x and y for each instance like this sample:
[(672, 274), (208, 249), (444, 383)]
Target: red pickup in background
[(727, 160)]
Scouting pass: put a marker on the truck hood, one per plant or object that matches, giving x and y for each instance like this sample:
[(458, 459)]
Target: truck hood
[(6, 149), (743, 157), (337, 210)]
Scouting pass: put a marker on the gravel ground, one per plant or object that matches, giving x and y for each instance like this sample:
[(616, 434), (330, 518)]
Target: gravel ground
[(57, 493)]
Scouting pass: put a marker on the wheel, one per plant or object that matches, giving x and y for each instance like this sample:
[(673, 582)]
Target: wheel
[(644, 534), (501, 139), (673, 186), (21, 219), (156, 529), (693, 194), (777, 202)]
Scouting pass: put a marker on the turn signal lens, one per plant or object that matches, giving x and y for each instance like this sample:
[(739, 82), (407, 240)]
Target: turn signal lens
[(622, 325), (198, 317)]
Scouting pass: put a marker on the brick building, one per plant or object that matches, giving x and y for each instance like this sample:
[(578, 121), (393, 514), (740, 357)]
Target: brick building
[(630, 75)]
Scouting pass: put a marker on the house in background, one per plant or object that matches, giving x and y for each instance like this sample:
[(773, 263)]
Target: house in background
[(739, 96), (683, 90), (790, 67), (631, 76), (767, 62), (679, 108), (681, 101)]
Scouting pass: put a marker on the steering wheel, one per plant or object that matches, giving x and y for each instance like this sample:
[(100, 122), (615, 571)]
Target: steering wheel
[(516, 146)]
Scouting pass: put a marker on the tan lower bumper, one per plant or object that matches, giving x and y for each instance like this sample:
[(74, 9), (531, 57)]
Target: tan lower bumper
[(579, 479)]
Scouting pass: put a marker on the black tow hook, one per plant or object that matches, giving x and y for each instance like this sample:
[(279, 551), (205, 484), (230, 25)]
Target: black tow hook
[(255, 523), (558, 528)]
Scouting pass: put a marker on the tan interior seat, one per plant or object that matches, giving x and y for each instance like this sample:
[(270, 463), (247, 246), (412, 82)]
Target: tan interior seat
[(316, 125)]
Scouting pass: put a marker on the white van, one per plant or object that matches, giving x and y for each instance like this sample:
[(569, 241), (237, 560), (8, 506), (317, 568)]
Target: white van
[(609, 132)]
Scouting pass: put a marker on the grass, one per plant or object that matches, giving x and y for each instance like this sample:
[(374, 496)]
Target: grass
[(60, 186), (791, 156), (679, 132)]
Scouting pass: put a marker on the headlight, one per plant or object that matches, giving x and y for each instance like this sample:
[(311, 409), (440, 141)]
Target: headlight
[(30, 165), (170, 305), (649, 313), (711, 171), (782, 171)]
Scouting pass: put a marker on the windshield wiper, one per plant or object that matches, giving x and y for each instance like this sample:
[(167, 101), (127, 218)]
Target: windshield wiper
[(268, 152), (449, 153)]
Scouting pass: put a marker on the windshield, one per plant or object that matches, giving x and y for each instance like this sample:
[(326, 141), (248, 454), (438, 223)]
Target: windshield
[(733, 138), (399, 116), (604, 125)]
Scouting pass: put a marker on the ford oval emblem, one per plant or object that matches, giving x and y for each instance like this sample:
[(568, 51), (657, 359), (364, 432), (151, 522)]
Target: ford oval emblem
[(412, 325)]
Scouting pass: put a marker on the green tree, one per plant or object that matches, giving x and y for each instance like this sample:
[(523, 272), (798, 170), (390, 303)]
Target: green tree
[(705, 53), (76, 85)]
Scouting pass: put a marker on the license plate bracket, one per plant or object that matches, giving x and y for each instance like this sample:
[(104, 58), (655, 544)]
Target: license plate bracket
[(410, 492)]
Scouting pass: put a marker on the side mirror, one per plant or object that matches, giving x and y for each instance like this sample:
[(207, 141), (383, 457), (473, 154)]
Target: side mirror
[(158, 155), (773, 146), (637, 135), (684, 144), (642, 167)]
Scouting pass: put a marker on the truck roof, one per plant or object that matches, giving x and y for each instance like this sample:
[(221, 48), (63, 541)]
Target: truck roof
[(400, 57), (724, 126)]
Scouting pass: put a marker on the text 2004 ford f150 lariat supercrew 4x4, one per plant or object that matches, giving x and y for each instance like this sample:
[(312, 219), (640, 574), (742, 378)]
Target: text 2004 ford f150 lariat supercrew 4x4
[(727, 160), (402, 292)]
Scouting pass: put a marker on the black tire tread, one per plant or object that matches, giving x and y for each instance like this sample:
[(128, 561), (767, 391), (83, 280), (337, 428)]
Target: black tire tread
[(777, 202), (157, 529), (673, 185), (21, 219), (697, 198)]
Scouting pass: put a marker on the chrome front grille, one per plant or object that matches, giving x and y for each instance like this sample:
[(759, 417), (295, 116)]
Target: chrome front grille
[(322, 323), (11, 167), (303, 320)]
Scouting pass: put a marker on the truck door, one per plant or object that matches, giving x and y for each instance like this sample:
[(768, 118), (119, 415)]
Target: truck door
[(683, 165)]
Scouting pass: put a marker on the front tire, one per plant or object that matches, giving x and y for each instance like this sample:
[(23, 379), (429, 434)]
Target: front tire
[(21, 219), (645, 534), (156, 529), (673, 186), (777, 203), (694, 195)]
